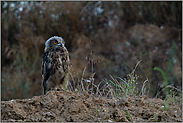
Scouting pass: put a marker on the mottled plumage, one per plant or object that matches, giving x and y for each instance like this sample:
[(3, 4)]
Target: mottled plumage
[(55, 64)]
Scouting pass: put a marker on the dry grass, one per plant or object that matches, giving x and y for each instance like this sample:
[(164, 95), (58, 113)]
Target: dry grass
[(114, 88)]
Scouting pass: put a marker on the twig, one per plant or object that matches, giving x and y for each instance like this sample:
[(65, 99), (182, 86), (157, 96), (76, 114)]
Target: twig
[(135, 67), (98, 88), (142, 90), (72, 80), (114, 80), (82, 79)]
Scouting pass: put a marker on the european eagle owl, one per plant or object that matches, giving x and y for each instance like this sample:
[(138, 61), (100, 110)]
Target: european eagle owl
[(55, 64)]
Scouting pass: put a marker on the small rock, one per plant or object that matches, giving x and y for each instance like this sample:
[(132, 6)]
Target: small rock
[(109, 121)]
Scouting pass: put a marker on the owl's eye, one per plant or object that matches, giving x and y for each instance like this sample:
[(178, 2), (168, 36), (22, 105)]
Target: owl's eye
[(55, 42)]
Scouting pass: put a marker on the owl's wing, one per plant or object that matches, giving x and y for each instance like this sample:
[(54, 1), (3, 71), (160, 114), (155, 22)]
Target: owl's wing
[(45, 69), (65, 61)]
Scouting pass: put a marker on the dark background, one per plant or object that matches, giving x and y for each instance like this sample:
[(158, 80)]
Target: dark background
[(107, 38)]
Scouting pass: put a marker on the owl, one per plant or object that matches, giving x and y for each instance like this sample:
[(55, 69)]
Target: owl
[(55, 64)]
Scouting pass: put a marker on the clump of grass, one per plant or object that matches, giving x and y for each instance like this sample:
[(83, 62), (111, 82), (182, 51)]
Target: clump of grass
[(173, 99), (116, 87), (169, 76), (128, 115), (126, 86)]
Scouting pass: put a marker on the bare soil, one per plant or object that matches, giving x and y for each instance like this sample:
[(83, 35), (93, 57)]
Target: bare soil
[(64, 106)]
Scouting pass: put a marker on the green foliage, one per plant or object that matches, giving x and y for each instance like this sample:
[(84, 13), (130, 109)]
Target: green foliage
[(169, 76), (155, 116), (163, 74), (128, 115), (97, 111), (164, 77), (166, 106)]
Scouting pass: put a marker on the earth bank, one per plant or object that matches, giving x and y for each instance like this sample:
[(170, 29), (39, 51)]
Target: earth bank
[(63, 106)]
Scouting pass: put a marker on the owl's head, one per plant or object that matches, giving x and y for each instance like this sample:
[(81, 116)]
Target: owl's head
[(54, 43)]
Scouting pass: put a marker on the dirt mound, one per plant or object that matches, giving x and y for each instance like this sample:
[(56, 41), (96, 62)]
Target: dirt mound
[(58, 106)]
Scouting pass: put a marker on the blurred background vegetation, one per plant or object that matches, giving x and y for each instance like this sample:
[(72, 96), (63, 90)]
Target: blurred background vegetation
[(108, 38)]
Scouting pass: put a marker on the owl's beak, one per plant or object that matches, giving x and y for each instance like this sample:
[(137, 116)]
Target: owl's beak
[(59, 44)]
